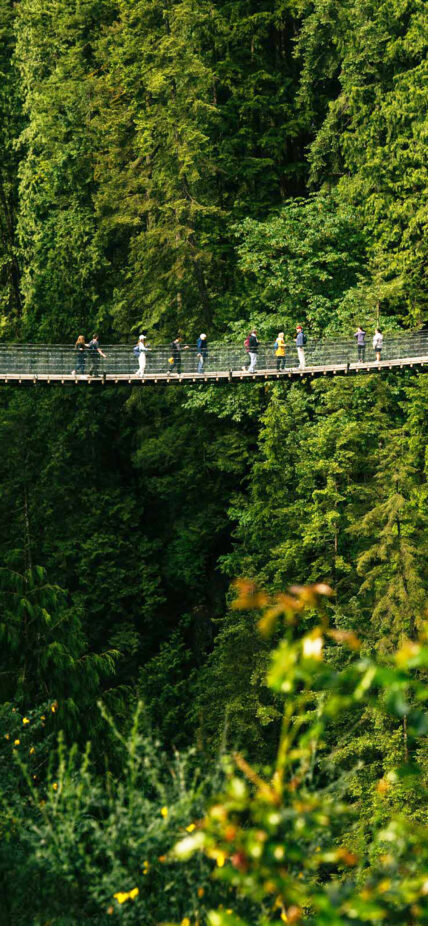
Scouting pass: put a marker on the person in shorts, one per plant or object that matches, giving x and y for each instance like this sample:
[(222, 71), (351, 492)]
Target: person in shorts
[(377, 344)]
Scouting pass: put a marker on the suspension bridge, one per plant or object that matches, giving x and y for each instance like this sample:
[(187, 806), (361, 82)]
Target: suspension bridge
[(34, 364)]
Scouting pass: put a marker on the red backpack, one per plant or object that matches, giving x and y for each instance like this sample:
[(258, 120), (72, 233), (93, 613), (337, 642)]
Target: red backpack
[(247, 344)]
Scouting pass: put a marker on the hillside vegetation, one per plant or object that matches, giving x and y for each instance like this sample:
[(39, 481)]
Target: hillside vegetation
[(172, 167)]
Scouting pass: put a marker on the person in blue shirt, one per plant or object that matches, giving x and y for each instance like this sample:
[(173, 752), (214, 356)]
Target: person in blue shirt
[(202, 350), (300, 341)]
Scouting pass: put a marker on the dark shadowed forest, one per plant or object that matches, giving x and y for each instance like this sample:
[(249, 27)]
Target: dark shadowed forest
[(213, 638)]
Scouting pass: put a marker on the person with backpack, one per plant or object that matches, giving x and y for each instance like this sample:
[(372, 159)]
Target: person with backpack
[(300, 341), (175, 358), (360, 335), (279, 348), (140, 351), (377, 344), (202, 351), (95, 353), (253, 347)]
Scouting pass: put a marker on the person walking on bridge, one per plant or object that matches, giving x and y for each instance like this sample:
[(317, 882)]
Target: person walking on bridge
[(140, 350), (176, 349), (377, 344), (253, 348), (300, 340), (95, 353), (279, 348), (80, 349), (202, 349), (360, 335)]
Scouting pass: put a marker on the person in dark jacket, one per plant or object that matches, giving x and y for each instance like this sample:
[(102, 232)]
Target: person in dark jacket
[(80, 349), (360, 335), (176, 349), (202, 350), (95, 353), (300, 342), (253, 347)]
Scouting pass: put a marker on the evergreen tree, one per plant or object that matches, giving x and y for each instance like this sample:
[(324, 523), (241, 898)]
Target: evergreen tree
[(10, 127)]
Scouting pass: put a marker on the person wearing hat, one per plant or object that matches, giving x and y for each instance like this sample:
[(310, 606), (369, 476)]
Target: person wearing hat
[(140, 350), (202, 349), (300, 341)]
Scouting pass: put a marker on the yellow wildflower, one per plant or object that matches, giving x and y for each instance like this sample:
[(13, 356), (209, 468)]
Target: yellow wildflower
[(54, 707), (16, 742), (220, 859), (146, 867), (43, 717), (201, 891), (25, 720), (164, 812), (32, 751), (7, 736), (284, 917), (55, 786), (121, 896), (384, 886), (190, 828), (185, 921)]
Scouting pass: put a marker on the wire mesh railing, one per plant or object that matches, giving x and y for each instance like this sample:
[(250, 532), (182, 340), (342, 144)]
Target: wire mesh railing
[(120, 360)]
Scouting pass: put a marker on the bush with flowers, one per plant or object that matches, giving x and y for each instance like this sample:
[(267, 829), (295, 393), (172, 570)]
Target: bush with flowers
[(86, 845), (285, 841)]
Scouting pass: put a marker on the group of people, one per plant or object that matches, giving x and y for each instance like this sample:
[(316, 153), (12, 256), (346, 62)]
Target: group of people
[(174, 361), (251, 345), (95, 353), (360, 335)]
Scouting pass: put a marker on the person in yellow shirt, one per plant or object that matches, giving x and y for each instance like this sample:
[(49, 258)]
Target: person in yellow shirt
[(280, 351)]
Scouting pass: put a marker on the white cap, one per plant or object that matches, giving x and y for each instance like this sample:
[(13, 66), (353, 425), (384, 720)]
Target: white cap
[(142, 337), (203, 335)]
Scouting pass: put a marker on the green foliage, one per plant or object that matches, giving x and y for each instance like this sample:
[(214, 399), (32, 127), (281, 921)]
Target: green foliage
[(304, 264), (156, 164), (280, 840), (44, 650), (372, 139), (10, 126), (90, 839)]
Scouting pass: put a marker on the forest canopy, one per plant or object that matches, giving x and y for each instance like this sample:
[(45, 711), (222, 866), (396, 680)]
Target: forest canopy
[(166, 756)]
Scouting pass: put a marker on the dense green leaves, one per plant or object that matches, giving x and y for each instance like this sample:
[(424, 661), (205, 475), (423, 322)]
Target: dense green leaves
[(181, 166)]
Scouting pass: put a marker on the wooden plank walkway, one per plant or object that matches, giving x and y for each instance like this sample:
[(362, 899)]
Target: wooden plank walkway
[(231, 376)]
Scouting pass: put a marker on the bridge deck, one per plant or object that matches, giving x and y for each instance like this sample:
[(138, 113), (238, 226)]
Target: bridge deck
[(212, 376)]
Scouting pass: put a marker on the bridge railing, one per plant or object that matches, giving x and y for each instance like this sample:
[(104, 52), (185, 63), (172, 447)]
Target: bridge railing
[(60, 360)]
